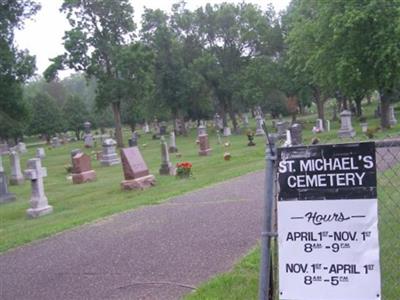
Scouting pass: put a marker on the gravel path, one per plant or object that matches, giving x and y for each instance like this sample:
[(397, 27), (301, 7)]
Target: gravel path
[(155, 252)]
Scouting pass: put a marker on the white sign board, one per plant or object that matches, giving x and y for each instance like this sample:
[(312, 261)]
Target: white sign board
[(328, 234), (328, 250)]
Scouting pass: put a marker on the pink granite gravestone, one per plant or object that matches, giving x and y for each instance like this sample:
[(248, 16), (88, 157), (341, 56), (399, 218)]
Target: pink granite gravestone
[(204, 146), (136, 173), (82, 169)]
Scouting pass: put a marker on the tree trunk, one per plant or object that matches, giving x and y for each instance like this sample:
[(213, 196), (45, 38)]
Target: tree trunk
[(234, 122), (224, 118), (319, 101), (77, 134), (385, 104), (117, 121), (174, 118), (368, 99), (358, 106)]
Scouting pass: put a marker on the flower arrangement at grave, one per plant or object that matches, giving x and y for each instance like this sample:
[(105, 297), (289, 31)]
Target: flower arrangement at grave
[(183, 169), (250, 137), (227, 154)]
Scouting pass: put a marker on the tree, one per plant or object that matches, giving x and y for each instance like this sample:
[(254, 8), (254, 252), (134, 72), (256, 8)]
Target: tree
[(232, 35), (100, 29), (305, 58), (16, 67), (75, 114), (347, 49), (46, 116), (367, 39)]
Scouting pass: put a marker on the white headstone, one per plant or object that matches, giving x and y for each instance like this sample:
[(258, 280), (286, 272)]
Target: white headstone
[(227, 131), (319, 124), (288, 141), (146, 128), (109, 156), (40, 153), (392, 116), (5, 196), (327, 125), (201, 130), (55, 142), (21, 147), (259, 123), (38, 202), (172, 143), (16, 174), (346, 129), (166, 166)]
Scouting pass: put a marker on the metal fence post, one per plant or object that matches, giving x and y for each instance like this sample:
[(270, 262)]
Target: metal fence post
[(265, 266)]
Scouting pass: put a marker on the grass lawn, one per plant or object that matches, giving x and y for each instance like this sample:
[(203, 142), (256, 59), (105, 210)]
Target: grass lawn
[(78, 204)]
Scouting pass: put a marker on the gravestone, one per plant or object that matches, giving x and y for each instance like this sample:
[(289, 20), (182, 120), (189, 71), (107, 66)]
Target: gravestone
[(40, 153), (55, 142), (88, 137), (180, 127), (245, 120), (172, 143), (296, 131), (4, 149), (392, 116), (288, 141), (259, 124), (1, 164), (82, 169), (74, 152), (109, 156), (21, 147), (166, 166), (146, 128), (38, 202), (205, 149), (16, 174), (201, 130), (281, 128), (133, 141), (218, 122), (136, 173), (163, 128), (327, 125), (227, 131), (5, 196), (346, 129), (319, 125)]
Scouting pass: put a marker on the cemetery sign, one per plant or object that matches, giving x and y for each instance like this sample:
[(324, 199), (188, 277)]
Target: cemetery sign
[(328, 223)]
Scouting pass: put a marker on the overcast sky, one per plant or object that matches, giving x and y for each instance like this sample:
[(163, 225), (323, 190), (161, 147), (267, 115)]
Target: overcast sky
[(43, 36)]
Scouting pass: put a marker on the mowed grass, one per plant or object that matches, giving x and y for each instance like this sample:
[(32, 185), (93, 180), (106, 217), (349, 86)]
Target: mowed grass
[(242, 281), (239, 284), (75, 205)]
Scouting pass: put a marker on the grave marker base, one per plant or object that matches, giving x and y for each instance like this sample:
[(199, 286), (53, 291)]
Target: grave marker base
[(7, 198), (38, 212), (83, 177), (140, 183)]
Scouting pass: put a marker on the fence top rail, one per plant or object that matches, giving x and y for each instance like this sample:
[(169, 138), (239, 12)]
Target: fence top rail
[(387, 143)]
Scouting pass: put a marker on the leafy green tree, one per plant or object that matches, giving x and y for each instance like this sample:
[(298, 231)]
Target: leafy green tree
[(305, 56), (100, 29), (232, 35), (16, 67), (366, 40), (47, 118), (75, 114)]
